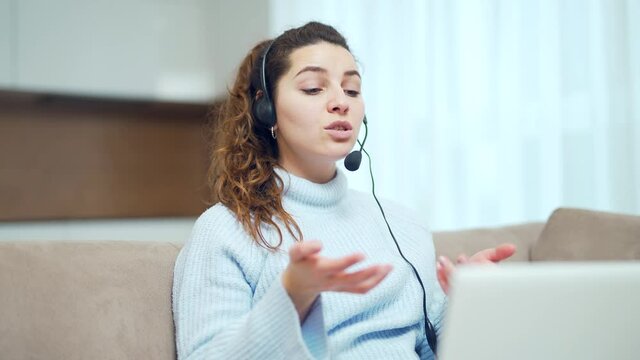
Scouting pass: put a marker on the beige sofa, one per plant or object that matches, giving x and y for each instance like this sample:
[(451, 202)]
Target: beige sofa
[(112, 300)]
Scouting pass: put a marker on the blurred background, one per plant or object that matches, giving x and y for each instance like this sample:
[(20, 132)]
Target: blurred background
[(481, 113)]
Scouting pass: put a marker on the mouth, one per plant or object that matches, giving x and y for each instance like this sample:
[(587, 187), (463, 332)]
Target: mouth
[(339, 126), (339, 131)]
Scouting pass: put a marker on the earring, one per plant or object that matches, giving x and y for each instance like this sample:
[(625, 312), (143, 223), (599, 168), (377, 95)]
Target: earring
[(273, 132)]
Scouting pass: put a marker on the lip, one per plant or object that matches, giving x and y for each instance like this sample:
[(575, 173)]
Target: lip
[(336, 124), (339, 135)]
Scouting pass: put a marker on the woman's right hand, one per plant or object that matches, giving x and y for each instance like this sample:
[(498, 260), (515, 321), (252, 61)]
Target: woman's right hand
[(308, 274)]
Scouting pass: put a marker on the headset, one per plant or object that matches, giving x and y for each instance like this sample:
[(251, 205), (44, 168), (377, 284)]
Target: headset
[(262, 108), (264, 112)]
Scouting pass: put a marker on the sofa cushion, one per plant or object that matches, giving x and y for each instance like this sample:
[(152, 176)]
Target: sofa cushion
[(454, 243), (576, 234), (86, 300)]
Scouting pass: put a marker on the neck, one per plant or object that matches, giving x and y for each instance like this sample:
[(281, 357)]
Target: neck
[(301, 192), (311, 170)]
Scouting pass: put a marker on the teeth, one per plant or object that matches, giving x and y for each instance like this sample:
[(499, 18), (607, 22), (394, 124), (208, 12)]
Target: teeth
[(339, 128)]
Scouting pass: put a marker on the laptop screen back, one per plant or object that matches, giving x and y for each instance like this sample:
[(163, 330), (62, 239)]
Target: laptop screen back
[(544, 311)]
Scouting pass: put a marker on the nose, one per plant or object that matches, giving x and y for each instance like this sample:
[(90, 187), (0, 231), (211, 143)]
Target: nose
[(338, 103)]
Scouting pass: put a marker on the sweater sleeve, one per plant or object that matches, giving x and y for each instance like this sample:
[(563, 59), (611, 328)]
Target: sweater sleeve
[(314, 332), (215, 314)]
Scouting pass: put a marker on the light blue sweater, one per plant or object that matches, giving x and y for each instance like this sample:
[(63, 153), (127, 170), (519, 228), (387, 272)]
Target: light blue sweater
[(229, 302)]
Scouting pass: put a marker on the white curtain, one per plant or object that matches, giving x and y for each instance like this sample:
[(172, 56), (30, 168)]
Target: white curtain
[(488, 112)]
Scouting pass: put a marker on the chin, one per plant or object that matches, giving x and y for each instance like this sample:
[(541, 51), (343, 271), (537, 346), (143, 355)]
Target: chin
[(341, 153), (338, 151)]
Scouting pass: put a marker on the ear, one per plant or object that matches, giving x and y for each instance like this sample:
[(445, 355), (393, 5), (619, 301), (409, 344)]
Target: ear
[(259, 94)]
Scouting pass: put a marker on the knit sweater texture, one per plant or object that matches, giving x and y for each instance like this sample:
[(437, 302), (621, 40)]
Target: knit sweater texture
[(229, 301)]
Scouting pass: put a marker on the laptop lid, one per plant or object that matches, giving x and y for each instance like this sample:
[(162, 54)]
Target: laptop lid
[(548, 311)]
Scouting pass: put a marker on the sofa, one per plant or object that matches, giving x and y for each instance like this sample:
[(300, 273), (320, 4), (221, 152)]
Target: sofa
[(112, 299)]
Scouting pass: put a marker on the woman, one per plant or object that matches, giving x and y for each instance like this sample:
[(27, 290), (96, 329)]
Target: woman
[(343, 292)]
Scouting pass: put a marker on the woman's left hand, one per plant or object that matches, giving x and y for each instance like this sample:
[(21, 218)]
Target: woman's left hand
[(445, 267)]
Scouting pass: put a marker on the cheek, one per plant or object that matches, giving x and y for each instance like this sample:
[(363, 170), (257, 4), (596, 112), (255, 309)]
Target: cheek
[(297, 113)]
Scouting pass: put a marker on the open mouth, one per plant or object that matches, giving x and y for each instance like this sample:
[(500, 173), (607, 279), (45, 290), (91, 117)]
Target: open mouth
[(339, 126), (339, 131)]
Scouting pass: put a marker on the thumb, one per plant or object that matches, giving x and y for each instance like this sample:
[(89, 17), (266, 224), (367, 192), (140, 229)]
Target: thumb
[(498, 253), (303, 249), (504, 251)]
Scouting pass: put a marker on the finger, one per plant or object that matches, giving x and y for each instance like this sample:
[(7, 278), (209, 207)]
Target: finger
[(505, 251), (462, 259), (332, 266), (442, 278), (496, 254), (447, 265), (447, 270), (301, 250), (344, 280), (364, 286)]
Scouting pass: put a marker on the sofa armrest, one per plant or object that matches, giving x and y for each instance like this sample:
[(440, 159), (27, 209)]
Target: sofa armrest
[(86, 300), (587, 235)]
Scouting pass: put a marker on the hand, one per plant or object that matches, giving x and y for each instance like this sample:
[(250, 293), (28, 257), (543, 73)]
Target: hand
[(445, 268), (308, 274)]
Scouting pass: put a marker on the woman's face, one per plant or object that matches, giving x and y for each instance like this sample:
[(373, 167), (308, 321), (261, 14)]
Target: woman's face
[(319, 110)]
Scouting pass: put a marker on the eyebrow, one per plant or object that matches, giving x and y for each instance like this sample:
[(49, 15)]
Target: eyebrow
[(323, 70)]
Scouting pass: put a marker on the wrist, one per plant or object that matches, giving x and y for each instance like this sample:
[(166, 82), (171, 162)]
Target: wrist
[(302, 300)]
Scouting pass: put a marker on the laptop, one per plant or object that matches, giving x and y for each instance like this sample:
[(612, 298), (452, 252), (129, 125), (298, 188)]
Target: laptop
[(550, 311)]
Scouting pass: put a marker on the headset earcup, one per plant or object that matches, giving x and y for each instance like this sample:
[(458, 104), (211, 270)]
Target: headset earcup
[(264, 113)]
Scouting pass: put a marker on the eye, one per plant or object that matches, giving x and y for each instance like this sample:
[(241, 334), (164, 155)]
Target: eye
[(352, 93), (313, 91)]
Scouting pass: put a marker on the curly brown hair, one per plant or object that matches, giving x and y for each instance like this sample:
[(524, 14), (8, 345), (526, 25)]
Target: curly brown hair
[(244, 154)]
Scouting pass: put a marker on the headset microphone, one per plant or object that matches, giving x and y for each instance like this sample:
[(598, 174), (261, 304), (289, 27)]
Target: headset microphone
[(353, 160)]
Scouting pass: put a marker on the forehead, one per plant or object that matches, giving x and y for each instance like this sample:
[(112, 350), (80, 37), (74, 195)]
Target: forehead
[(332, 57)]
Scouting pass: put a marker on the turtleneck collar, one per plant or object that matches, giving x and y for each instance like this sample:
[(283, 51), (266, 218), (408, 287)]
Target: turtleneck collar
[(305, 192)]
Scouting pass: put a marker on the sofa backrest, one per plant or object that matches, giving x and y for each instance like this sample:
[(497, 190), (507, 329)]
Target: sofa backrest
[(454, 243), (86, 300), (112, 299)]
